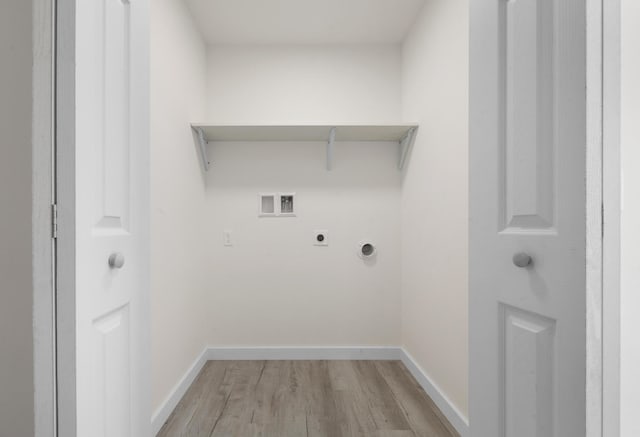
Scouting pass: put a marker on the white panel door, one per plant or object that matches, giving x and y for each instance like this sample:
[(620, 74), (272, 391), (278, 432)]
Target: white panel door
[(527, 188), (111, 162)]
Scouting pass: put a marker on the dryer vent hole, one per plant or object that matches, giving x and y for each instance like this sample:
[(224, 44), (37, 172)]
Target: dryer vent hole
[(367, 249)]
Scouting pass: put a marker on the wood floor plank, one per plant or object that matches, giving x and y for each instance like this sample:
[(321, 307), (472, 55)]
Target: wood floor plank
[(321, 406), (278, 409), (421, 412), (305, 398), (384, 408), (342, 375), (204, 386), (237, 410), (354, 416), (392, 433)]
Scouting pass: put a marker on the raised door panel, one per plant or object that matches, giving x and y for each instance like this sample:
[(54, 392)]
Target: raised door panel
[(112, 376), (528, 361), (528, 149), (113, 135)]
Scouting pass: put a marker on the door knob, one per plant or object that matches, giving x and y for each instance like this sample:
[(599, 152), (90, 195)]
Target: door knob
[(522, 260), (116, 260)]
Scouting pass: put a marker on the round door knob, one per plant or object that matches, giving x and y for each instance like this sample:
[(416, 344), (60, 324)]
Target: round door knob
[(522, 260), (116, 260)]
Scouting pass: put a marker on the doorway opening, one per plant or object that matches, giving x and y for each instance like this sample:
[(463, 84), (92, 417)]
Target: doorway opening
[(309, 201)]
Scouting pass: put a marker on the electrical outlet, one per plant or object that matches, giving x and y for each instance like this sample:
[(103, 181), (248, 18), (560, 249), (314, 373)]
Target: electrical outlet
[(228, 238), (321, 238)]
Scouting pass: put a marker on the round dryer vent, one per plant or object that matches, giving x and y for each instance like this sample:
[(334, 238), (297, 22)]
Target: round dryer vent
[(366, 250)]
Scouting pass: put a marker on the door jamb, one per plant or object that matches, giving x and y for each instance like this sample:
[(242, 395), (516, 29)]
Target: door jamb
[(594, 217), (66, 189), (611, 215), (603, 217), (43, 198)]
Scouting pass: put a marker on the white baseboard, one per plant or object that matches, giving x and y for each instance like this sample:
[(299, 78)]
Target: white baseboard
[(455, 417), (161, 415), (450, 411), (305, 353)]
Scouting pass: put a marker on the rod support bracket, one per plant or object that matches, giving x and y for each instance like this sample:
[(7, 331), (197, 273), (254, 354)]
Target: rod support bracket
[(330, 143), (202, 141), (405, 145)]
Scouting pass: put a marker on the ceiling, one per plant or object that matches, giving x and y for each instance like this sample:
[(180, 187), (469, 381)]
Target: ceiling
[(304, 21)]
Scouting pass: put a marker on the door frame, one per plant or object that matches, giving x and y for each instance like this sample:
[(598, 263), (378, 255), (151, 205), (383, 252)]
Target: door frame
[(43, 199), (611, 215), (594, 219), (54, 47), (66, 189)]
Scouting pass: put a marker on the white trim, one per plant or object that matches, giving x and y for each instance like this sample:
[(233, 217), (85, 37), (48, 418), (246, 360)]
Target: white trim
[(305, 353), (163, 412), (66, 243), (458, 420), (594, 259), (455, 417), (43, 194), (611, 213)]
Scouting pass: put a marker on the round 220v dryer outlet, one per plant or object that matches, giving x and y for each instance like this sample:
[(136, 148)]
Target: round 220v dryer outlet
[(321, 238)]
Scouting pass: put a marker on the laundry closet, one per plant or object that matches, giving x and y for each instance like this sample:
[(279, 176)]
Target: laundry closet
[(309, 187)]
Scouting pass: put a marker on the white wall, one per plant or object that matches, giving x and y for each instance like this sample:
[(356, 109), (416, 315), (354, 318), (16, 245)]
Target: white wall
[(304, 84), (16, 285), (207, 294), (630, 235), (435, 197), (178, 84), (274, 287)]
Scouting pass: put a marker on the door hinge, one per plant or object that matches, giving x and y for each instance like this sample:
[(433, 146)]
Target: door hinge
[(54, 221)]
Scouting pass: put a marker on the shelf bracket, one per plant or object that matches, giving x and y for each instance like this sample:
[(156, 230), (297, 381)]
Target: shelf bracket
[(332, 140), (202, 141), (405, 146)]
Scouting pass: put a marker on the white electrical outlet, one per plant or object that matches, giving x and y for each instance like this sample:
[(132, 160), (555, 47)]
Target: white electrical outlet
[(321, 238), (227, 237)]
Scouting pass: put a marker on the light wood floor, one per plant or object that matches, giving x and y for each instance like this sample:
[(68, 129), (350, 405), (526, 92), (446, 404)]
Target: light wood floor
[(306, 398)]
